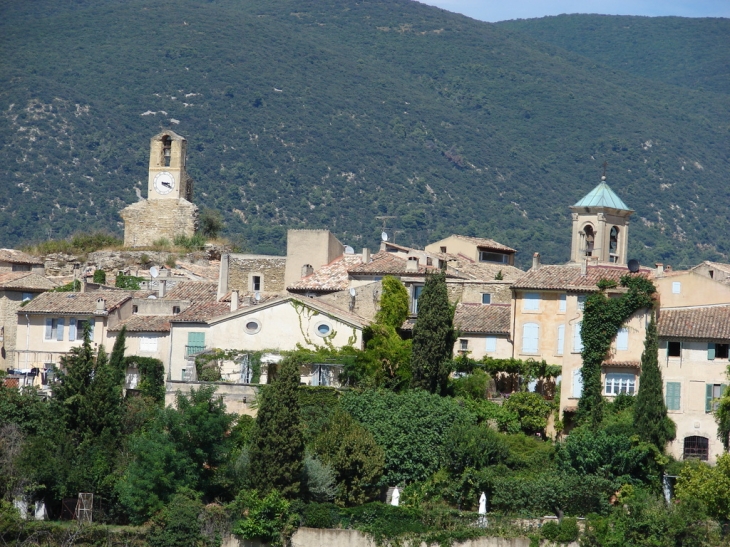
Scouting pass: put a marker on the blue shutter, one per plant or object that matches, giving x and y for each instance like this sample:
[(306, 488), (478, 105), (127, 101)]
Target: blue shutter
[(673, 395), (49, 329), (710, 351), (708, 398), (59, 329), (71, 329)]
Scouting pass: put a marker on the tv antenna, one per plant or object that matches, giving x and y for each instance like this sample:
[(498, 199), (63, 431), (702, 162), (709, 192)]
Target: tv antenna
[(605, 164), (385, 219)]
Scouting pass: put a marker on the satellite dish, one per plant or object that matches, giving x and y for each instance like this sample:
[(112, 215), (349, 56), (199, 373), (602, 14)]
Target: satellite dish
[(257, 296), (152, 297), (154, 272), (384, 236), (349, 250), (634, 265), (352, 292)]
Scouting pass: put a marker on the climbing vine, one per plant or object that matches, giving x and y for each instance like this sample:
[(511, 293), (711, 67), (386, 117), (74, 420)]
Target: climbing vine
[(602, 318), (208, 373), (152, 376)]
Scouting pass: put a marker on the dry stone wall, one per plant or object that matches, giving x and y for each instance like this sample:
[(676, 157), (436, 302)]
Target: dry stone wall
[(150, 220), (271, 268)]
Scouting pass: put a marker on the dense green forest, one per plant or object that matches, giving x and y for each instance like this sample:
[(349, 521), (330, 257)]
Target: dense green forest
[(330, 113)]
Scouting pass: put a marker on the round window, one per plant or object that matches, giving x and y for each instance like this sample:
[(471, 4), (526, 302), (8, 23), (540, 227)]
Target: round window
[(323, 329), (252, 326)]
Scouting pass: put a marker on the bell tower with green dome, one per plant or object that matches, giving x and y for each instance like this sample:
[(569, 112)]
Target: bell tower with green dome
[(600, 227)]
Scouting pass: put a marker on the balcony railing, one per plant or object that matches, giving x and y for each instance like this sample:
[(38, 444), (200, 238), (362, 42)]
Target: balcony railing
[(192, 350)]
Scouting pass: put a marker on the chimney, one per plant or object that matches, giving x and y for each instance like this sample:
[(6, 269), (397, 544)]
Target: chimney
[(659, 268), (223, 276), (234, 300), (161, 288), (668, 268), (100, 305), (584, 267), (365, 255), (83, 286), (412, 264), (536, 261)]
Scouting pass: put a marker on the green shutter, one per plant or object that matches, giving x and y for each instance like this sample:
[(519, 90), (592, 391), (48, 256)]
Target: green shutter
[(710, 351), (708, 398), (673, 395), (196, 339)]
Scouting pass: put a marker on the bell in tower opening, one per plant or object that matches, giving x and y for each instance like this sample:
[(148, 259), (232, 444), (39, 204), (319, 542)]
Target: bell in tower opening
[(168, 210)]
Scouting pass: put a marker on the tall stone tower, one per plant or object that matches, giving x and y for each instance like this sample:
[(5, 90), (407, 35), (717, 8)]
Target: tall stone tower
[(167, 212), (600, 227)]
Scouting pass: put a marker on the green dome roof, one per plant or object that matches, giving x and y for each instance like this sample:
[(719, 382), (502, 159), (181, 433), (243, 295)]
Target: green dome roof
[(602, 196)]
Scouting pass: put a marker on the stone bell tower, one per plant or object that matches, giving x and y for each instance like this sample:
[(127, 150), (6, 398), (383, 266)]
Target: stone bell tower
[(600, 227), (168, 210)]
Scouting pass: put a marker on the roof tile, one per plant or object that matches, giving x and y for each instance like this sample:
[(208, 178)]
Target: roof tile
[(332, 277), (144, 323), (25, 280), (478, 319), (75, 302), (18, 257), (706, 323), (569, 277), (486, 243)]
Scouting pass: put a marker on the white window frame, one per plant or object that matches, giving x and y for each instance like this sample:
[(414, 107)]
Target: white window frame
[(148, 344), (619, 382), (577, 340), (531, 301), (676, 287), (532, 328)]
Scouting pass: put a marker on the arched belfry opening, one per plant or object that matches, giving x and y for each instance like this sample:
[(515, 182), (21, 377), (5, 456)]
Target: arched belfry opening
[(600, 227), (166, 150)]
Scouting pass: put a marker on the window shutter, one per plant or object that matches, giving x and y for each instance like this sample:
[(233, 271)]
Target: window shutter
[(196, 339), (673, 395), (491, 344), (561, 339), (71, 329), (710, 351), (622, 339), (59, 329), (562, 298), (577, 383), (708, 398), (49, 329), (577, 342), (92, 323), (530, 336)]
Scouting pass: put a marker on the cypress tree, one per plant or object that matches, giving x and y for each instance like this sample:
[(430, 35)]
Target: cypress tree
[(433, 336), (650, 412), (277, 446), (393, 303), (116, 361)]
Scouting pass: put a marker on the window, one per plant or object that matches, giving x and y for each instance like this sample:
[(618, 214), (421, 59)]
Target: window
[(72, 330), (463, 344), (561, 339), (256, 283), (622, 339), (252, 326), (486, 298), (323, 329), (175, 310), (577, 383), (196, 343), (673, 398), (581, 302), (716, 351), (712, 274), (620, 383), (530, 337), (27, 296), (531, 301), (590, 238), (491, 344), (166, 150), (577, 340), (50, 329), (307, 269), (443, 249), (696, 447), (486, 256), (613, 245), (562, 302), (676, 287), (674, 349), (321, 375), (148, 343), (713, 392), (22, 268), (79, 325), (417, 290)]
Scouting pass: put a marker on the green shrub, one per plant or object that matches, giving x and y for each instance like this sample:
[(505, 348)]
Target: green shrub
[(190, 243), (178, 523), (100, 277), (472, 386), (211, 223), (564, 531), (532, 411), (128, 282), (266, 519), (320, 515)]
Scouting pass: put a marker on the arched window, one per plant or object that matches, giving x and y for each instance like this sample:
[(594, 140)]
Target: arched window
[(166, 150), (530, 337), (613, 245), (696, 447), (307, 269), (590, 236)]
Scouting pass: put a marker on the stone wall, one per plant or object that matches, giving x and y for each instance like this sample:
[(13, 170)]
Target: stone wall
[(271, 268), (10, 302), (149, 220), (470, 292), (238, 398), (367, 300)]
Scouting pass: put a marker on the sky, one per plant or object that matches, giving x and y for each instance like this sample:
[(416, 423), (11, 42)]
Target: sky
[(500, 10)]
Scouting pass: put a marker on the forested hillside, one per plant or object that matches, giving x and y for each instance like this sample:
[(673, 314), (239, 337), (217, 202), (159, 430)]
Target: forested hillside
[(329, 113)]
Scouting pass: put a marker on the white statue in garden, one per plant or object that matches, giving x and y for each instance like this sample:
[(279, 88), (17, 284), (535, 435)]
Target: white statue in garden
[(395, 500)]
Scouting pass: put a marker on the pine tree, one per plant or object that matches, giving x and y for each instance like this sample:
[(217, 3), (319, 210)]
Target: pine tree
[(650, 412), (433, 336), (277, 446)]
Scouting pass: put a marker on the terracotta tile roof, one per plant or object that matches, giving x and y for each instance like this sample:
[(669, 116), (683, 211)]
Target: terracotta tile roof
[(25, 280), (18, 257), (144, 323), (193, 290), (332, 277), (568, 277), (486, 243), (622, 364), (484, 271), (201, 311), (384, 263), (477, 319), (707, 323), (75, 302)]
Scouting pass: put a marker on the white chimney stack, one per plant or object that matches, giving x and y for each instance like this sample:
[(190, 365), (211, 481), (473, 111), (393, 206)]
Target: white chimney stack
[(223, 276), (234, 300), (365, 255), (100, 305), (536, 261), (412, 264), (161, 288)]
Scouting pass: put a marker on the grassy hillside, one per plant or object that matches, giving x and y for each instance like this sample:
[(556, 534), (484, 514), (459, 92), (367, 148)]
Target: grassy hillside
[(329, 113), (676, 50)]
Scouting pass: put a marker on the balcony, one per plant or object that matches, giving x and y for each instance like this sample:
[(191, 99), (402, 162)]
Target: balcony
[(193, 350)]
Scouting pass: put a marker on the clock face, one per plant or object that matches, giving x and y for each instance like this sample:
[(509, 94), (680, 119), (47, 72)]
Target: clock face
[(164, 183)]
